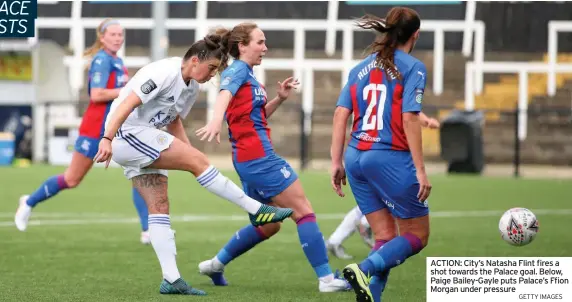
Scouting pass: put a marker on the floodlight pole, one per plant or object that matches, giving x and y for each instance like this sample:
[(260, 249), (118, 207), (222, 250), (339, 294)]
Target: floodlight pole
[(159, 33)]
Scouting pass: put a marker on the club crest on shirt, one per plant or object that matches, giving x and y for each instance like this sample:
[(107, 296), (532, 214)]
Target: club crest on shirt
[(148, 86), (162, 139), (419, 95), (96, 77)]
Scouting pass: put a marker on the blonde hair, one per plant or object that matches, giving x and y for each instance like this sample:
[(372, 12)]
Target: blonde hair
[(97, 45)]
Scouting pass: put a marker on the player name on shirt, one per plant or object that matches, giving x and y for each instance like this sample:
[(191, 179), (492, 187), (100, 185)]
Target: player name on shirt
[(365, 71)]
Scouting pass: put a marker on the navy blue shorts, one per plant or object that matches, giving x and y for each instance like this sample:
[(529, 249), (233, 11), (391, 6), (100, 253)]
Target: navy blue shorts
[(382, 179), (87, 146), (265, 177)]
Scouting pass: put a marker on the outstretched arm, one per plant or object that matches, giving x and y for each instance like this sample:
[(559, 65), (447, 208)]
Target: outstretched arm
[(273, 105), (222, 100), (284, 89), (213, 128), (121, 113)]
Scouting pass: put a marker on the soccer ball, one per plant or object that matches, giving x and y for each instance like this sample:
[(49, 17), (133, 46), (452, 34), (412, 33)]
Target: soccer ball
[(518, 226)]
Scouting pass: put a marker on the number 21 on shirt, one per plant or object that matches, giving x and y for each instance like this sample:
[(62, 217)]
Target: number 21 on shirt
[(374, 95)]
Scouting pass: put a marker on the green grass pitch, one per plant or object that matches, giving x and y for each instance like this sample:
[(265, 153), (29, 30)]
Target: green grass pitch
[(83, 244)]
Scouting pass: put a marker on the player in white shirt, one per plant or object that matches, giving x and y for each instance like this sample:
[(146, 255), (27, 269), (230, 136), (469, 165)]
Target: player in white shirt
[(161, 94)]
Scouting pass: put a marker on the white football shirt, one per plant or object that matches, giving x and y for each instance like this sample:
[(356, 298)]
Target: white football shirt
[(162, 91)]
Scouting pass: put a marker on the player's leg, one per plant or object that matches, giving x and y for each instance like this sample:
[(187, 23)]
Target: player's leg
[(151, 184), (384, 229), (143, 213), (180, 156), (414, 232), (346, 228), (241, 242), (244, 240), (397, 182), (412, 220), (81, 163), (281, 184), (247, 237), (376, 212), (255, 187), (153, 189)]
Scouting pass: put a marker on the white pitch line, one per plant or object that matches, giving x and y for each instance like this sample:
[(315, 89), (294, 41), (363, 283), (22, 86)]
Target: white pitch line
[(102, 219), (64, 215)]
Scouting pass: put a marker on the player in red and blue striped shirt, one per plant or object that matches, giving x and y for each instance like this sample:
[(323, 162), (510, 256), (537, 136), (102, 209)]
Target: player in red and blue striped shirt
[(384, 158), (265, 176), (107, 75)]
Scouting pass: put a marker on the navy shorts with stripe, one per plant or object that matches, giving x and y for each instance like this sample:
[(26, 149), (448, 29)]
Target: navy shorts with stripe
[(382, 179)]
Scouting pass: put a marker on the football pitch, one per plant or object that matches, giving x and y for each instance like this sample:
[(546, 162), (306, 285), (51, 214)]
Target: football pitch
[(83, 245)]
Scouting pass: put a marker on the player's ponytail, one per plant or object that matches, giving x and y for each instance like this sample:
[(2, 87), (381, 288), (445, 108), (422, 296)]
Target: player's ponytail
[(221, 44), (396, 29), (224, 35), (97, 45), (217, 44)]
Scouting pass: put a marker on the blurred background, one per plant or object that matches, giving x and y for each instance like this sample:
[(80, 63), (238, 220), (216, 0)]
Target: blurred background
[(499, 74)]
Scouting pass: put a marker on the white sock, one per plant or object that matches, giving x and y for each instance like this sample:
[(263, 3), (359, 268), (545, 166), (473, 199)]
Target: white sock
[(364, 221), (223, 187), (346, 228), (327, 279), (163, 241), (217, 265)]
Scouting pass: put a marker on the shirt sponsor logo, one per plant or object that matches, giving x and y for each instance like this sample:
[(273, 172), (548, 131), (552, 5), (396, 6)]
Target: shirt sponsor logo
[(367, 138)]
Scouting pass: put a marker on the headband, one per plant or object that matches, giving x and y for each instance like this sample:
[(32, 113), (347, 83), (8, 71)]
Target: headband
[(107, 23)]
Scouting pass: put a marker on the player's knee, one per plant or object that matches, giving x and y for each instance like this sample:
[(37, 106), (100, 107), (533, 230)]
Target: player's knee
[(301, 209), (385, 234), (422, 234), (425, 238), (300, 218), (269, 230), (417, 229), (301, 213), (196, 163), (382, 225), (72, 182)]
